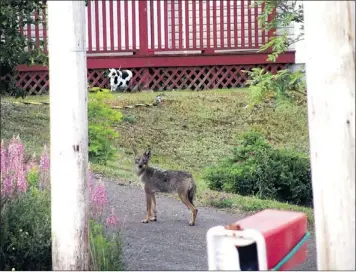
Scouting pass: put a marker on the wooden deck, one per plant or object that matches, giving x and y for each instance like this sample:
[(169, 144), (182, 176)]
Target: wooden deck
[(165, 39)]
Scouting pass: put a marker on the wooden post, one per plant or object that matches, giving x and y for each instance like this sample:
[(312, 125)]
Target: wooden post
[(330, 47), (143, 34), (69, 134)]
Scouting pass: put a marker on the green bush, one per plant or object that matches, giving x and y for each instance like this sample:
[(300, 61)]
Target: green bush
[(105, 254), (25, 235), (256, 168), (25, 232), (102, 135)]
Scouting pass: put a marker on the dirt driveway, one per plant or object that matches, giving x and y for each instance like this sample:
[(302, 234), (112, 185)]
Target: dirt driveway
[(169, 243)]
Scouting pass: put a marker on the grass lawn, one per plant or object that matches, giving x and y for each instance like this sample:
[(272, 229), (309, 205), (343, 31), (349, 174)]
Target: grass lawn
[(188, 131)]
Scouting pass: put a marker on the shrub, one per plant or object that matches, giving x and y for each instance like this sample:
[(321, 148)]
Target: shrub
[(283, 87), (256, 168), (26, 233), (25, 227), (102, 135)]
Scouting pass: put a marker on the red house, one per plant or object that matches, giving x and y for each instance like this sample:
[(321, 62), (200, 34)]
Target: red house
[(168, 44)]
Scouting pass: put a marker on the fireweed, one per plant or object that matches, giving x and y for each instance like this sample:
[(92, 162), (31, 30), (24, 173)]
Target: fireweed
[(25, 183), (13, 178)]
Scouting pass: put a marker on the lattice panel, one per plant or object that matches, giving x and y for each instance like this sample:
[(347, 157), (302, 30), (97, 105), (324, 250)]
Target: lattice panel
[(157, 79), (33, 82)]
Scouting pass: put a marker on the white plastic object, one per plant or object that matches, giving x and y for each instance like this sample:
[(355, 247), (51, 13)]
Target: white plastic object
[(222, 252)]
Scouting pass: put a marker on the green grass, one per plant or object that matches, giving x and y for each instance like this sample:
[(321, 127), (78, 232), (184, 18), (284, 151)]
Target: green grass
[(188, 131)]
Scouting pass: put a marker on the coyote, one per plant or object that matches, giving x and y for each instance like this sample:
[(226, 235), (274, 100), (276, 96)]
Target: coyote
[(155, 180)]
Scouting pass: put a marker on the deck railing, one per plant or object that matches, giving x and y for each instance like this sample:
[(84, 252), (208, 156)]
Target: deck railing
[(147, 27)]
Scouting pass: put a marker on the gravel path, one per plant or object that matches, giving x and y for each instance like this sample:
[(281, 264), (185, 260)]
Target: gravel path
[(169, 243)]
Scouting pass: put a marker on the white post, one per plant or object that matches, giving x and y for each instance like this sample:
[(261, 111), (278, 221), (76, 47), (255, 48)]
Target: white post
[(69, 134), (330, 67)]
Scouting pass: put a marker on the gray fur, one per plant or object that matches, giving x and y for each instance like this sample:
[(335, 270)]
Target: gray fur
[(165, 181)]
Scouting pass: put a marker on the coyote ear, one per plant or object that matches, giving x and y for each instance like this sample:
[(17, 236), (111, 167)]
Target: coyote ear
[(147, 154)]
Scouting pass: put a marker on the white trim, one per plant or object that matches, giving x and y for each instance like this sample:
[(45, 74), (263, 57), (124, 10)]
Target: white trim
[(221, 246)]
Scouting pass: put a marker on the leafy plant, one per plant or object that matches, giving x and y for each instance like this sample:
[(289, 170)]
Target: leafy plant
[(105, 254), (281, 87), (102, 135), (280, 15), (26, 232), (285, 86), (15, 14), (256, 168)]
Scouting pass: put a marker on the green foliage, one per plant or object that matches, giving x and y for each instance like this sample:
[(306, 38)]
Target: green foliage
[(13, 44), (102, 135), (277, 15), (105, 254), (33, 177), (256, 168), (284, 86), (221, 203), (25, 232), (129, 119)]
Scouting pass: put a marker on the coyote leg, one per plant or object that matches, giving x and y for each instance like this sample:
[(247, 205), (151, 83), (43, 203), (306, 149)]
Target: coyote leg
[(191, 207), (148, 207), (153, 208)]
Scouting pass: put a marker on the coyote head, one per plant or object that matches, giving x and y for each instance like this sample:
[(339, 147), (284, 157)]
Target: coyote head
[(141, 161)]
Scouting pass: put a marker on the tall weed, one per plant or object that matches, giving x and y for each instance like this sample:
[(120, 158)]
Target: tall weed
[(25, 227)]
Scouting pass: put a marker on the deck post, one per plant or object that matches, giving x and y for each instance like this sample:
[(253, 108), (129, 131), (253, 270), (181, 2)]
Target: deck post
[(68, 135), (142, 13), (330, 66)]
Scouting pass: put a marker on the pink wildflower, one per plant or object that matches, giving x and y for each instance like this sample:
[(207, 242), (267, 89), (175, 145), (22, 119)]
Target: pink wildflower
[(13, 179), (7, 188), (15, 153), (21, 181), (3, 158), (44, 169), (44, 161), (112, 220), (99, 198)]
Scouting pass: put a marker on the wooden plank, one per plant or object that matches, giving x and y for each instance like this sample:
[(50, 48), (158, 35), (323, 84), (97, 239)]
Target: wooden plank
[(194, 12), (111, 9), (126, 11), (159, 14), (187, 30), (104, 29), (134, 27), (119, 29), (97, 29)]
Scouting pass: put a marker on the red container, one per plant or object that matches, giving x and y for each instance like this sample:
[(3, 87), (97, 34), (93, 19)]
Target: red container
[(282, 231)]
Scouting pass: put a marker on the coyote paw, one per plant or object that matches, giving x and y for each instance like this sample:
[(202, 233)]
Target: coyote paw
[(144, 221), (191, 223), (153, 218)]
